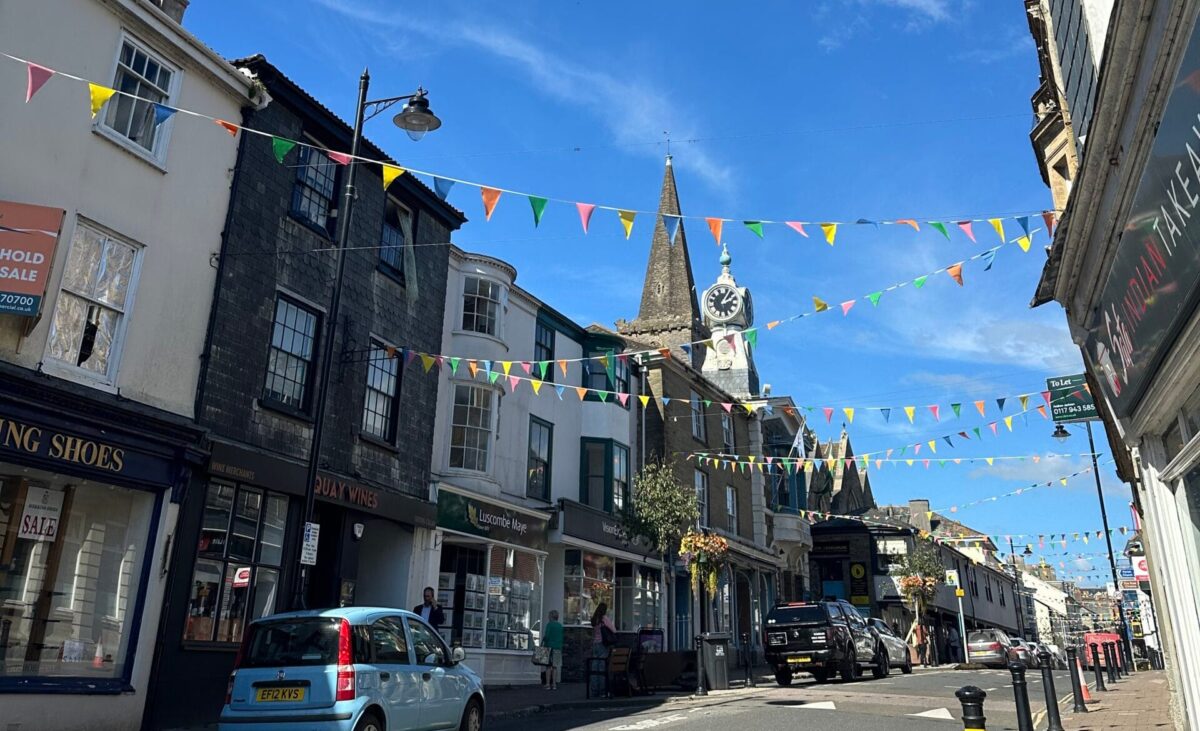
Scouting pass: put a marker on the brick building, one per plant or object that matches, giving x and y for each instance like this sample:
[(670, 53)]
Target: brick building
[(238, 536)]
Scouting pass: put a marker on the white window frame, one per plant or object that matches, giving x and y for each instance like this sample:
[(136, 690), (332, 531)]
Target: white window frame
[(108, 381), (394, 417), (162, 139), (731, 512), (493, 431), (696, 404), (728, 433), (501, 306), (700, 482)]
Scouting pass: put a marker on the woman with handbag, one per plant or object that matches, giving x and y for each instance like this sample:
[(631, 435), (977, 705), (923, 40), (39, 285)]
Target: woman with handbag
[(604, 636), (552, 640)]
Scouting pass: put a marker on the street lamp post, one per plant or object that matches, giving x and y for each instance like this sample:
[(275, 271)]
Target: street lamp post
[(416, 119), (1020, 600)]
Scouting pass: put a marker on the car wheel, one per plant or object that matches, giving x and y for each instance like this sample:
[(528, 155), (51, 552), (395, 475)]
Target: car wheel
[(907, 667), (821, 676), (783, 677), (849, 669), (880, 668), (369, 722), (472, 719)]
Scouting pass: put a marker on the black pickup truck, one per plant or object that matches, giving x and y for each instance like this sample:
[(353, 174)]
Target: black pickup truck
[(820, 638)]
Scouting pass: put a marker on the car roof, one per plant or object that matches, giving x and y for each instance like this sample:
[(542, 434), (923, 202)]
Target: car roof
[(355, 615)]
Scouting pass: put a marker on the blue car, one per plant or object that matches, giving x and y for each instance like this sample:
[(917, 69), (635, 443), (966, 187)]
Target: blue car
[(350, 669)]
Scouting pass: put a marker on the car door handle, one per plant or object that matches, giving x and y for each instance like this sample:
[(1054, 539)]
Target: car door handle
[(426, 676), (385, 676)]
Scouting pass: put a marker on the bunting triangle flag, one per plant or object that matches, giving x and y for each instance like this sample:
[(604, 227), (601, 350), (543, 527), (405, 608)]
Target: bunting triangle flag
[(99, 95), (910, 412), (874, 297), (966, 228), (979, 406), (340, 158), (957, 409), (990, 257), (992, 426), (916, 226), (797, 227), (920, 281), (830, 230), (623, 398), (849, 412), (232, 129), (955, 272), (949, 441), (991, 461), (585, 214), (493, 376), (645, 401), (977, 432), (1008, 422), (627, 220), (1042, 410), (715, 225), (887, 415), (454, 364), (728, 407), (1023, 222), (442, 186), (473, 367), (281, 146), (751, 337), (934, 410), (543, 366), (487, 368), (527, 367), (36, 78), (426, 361), (390, 173), (491, 196), (562, 366), (1048, 218), (819, 305), (536, 386), (1046, 397), (1024, 243), (539, 207), (828, 414), (671, 224), (998, 224), (755, 226), (1000, 404), (940, 227), (846, 306), (581, 392), (933, 445), (1024, 401), (559, 390), (162, 113), (506, 365)]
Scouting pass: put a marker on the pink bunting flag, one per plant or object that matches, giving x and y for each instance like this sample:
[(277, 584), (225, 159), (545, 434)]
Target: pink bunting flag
[(993, 428), (340, 158), (38, 76), (1046, 396), (527, 367), (585, 214), (728, 408), (512, 383), (966, 228), (623, 398), (798, 227), (934, 410), (828, 414), (846, 306)]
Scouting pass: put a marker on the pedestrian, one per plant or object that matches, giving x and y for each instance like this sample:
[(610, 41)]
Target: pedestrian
[(604, 636), (921, 639), (552, 637), (952, 644), (430, 610)]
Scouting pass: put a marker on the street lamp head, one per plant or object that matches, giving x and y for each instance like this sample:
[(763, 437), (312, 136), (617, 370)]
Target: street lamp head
[(1028, 551), (1060, 433), (415, 118)]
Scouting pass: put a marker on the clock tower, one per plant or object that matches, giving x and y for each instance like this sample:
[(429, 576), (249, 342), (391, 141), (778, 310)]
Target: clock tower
[(729, 312)]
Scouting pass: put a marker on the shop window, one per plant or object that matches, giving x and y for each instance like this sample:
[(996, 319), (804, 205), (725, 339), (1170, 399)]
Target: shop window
[(638, 597), (72, 554), (88, 327), (727, 440), (697, 409), (462, 593), (731, 509), (1000, 591), (543, 342), (987, 587), (236, 577), (700, 480), (379, 404), (604, 474), (397, 227), (471, 427), (537, 470), (514, 602), (588, 582), (145, 80), (481, 306), (290, 354), (316, 183)]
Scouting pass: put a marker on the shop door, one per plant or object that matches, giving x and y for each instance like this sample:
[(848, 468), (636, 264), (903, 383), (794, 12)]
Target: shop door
[(324, 579), (683, 613), (745, 611)]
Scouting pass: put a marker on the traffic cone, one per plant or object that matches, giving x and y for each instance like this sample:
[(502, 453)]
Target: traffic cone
[(1087, 697), (98, 658)]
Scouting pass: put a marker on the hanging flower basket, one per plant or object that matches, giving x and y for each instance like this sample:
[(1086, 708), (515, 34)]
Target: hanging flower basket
[(703, 553)]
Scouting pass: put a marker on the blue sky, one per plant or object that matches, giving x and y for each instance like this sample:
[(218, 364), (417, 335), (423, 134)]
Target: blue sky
[(836, 110)]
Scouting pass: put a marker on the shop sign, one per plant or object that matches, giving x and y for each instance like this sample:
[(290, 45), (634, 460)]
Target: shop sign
[(596, 526), (308, 547), (1141, 569), (836, 548), (1070, 399), (1151, 289), (1128, 584), (40, 518), (478, 518), (951, 577), (241, 577), (859, 584), (495, 586), (31, 439), (28, 235)]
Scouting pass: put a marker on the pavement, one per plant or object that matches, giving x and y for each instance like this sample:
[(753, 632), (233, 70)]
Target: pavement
[(1139, 702)]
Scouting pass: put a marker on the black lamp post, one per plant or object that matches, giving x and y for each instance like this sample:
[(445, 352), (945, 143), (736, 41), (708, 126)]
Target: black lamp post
[(415, 119), (1012, 557)]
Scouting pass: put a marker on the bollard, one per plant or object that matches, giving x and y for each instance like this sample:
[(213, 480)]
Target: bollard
[(1110, 662), (1127, 653), (1097, 668), (1052, 716), (972, 699), (1118, 670), (749, 659), (1076, 686), (700, 689), (1021, 692)]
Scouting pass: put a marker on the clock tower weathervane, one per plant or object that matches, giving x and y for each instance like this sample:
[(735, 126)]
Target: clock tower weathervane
[(729, 312)]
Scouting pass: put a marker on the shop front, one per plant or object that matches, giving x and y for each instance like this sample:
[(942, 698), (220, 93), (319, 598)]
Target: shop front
[(489, 583), (86, 493)]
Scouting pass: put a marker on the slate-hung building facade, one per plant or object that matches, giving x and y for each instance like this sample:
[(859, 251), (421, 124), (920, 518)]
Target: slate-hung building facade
[(99, 361), (236, 547)]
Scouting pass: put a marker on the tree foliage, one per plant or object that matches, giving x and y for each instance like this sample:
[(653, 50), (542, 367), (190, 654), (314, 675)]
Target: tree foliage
[(921, 571), (663, 508)]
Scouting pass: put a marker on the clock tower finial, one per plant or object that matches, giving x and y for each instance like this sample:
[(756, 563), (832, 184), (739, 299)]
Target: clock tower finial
[(729, 312)]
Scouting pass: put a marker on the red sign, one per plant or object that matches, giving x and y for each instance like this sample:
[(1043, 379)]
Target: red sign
[(1141, 570), (28, 235), (241, 577)]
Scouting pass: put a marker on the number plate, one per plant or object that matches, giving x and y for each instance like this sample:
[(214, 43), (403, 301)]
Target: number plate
[(279, 695), (799, 660)]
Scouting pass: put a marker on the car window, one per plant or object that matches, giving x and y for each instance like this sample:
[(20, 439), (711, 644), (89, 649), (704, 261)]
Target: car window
[(426, 643), (835, 612), (293, 642), (388, 642), (852, 614), (808, 614)]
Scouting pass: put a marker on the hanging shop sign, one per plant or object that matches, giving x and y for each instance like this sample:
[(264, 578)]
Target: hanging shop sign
[(1152, 288), (467, 515), (1071, 400), (28, 235)]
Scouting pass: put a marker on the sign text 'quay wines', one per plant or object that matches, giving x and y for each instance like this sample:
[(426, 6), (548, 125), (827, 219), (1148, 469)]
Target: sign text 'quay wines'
[(347, 493), (28, 235), (1152, 289)]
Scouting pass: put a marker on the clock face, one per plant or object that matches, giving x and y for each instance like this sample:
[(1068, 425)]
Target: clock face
[(722, 303)]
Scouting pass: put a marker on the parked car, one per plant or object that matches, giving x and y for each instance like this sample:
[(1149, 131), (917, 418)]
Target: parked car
[(1025, 653), (898, 654), (349, 669), (1060, 657), (820, 638), (991, 647)]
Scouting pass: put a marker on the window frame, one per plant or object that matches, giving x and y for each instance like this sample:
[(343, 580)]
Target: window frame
[(611, 447), (162, 137), (498, 320), (76, 372), (395, 270), (622, 495), (731, 509), (305, 409), (539, 343), (728, 433), (547, 463), (700, 485), (378, 347), (493, 412), (309, 149), (696, 406)]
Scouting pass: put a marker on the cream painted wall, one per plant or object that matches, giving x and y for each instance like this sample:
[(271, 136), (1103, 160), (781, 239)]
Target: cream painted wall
[(53, 157)]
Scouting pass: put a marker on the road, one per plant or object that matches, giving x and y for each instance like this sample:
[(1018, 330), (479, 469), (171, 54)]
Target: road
[(923, 700)]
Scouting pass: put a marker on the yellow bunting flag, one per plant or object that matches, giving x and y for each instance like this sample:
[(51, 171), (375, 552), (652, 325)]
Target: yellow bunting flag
[(627, 220), (819, 304), (536, 384), (909, 411), (581, 391), (990, 461), (426, 361), (933, 446), (1063, 481), (506, 365), (99, 94), (749, 408), (1008, 422), (998, 224), (849, 414), (645, 401), (714, 225), (1024, 401), (909, 462), (830, 230), (390, 173), (1024, 243)]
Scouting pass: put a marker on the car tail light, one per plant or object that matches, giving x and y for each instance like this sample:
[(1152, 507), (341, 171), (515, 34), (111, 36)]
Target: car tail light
[(345, 668), (830, 635), (994, 646), (237, 663)]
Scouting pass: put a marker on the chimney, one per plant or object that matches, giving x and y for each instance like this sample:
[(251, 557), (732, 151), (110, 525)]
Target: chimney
[(173, 8), (918, 514)]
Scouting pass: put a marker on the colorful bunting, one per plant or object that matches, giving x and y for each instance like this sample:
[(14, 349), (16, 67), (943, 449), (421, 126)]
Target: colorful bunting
[(340, 158), (232, 129), (830, 230), (955, 272), (755, 226), (627, 220), (539, 207), (998, 224), (966, 228), (442, 187), (99, 95), (36, 76), (714, 225), (941, 227), (819, 305), (797, 227), (390, 172), (490, 196)]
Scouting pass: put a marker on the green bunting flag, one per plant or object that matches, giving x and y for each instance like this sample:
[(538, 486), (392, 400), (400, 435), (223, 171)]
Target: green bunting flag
[(874, 297), (539, 207), (957, 409), (542, 366), (492, 376), (920, 281), (755, 226), (751, 337), (454, 365), (940, 227), (281, 148)]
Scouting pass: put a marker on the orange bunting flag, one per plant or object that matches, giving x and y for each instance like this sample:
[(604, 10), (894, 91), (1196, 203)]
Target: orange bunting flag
[(820, 305), (772, 324), (582, 392), (955, 272), (562, 366), (830, 230), (916, 226), (230, 127), (1048, 217), (1042, 411), (665, 353), (714, 225), (473, 367), (979, 405), (491, 196)]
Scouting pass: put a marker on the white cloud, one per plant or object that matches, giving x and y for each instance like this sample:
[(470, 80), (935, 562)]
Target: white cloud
[(849, 18)]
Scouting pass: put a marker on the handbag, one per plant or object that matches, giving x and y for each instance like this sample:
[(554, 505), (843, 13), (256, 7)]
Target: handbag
[(541, 656), (607, 637)]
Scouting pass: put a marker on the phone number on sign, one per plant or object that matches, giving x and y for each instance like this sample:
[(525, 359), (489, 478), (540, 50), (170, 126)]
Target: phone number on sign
[(19, 302)]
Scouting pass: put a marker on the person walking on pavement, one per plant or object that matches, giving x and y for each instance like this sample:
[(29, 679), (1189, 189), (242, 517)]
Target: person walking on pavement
[(952, 642), (552, 637), (604, 636), (921, 640), (430, 611)]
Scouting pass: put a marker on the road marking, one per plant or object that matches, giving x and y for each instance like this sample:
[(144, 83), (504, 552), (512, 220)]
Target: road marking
[(942, 713), (990, 690), (650, 723), (819, 706)]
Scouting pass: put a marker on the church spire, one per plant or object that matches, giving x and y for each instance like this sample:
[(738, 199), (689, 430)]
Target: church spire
[(669, 314)]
